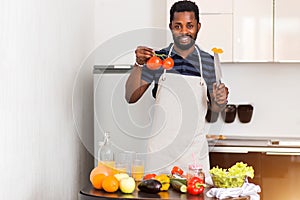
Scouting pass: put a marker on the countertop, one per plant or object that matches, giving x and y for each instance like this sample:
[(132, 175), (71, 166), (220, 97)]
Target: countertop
[(89, 193), (245, 144)]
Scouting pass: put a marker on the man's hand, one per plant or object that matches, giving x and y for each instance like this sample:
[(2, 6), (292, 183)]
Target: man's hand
[(142, 54), (219, 96)]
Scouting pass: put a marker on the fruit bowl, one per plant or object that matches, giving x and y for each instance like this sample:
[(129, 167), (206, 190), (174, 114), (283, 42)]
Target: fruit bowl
[(227, 181)]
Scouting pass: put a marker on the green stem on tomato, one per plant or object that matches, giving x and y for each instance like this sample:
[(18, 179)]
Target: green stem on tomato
[(161, 55)]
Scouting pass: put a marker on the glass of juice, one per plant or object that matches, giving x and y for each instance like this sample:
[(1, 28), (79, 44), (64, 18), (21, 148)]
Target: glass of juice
[(124, 161), (137, 169), (122, 167)]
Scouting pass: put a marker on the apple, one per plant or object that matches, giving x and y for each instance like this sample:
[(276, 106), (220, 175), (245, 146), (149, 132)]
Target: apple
[(127, 185)]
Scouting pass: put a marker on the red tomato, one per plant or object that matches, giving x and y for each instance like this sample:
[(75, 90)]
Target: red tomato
[(154, 63), (149, 176), (168, 63), (177, 170)]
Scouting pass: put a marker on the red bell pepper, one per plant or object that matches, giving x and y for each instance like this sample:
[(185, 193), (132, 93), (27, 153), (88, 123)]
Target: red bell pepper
[(195, 186), (177, 170), (149, 176)]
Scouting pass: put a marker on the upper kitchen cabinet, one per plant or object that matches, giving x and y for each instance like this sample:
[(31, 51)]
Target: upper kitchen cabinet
[(253, 31), (216, 31), (216, 26), (250, 30), (208, 6), (266, 31), (214, 6), (287, 31)]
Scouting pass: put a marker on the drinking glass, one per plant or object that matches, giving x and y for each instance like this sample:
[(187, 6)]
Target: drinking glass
[(138, 169), (124, 161)]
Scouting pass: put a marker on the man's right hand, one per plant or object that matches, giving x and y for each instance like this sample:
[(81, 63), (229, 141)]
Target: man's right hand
[(142, 54)]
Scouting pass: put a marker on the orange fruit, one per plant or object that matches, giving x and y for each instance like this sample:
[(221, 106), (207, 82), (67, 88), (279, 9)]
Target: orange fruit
[(102, 169), (97, 180), (110, 183)]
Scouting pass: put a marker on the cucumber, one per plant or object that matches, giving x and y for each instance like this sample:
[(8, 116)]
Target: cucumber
[(178, 186), (181, 180)]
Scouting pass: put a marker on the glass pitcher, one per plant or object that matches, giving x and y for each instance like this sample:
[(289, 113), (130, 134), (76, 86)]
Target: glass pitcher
[(105, 152)]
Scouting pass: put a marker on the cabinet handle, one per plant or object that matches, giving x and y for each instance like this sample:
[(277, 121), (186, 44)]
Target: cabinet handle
[(228, 150), (283, 153)]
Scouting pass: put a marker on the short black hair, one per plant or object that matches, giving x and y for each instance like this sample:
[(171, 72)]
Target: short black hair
[(183, 6)]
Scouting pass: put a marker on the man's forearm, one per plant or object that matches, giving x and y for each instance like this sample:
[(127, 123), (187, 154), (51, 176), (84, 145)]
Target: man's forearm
[(135, 87)]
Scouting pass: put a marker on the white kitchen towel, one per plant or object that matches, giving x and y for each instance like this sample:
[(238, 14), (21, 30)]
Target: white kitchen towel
[(248, 189)]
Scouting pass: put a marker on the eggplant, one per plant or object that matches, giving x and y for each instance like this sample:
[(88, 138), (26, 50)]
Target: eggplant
[(150, 186)]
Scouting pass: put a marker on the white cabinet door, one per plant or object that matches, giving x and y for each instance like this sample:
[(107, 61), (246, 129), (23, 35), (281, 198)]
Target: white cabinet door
[(214, 6), (253, 31), (208, 6), (287, 30), (216, 31)]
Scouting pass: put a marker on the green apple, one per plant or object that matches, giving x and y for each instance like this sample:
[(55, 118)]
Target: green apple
[(120, 176), (127, 185)]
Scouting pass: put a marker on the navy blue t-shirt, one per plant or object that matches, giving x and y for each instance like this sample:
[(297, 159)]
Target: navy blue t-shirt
[(189, 67)]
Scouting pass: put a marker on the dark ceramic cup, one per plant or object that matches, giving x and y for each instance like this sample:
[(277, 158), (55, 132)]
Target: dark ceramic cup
[(245, 112), (211, 116), (229, 113)]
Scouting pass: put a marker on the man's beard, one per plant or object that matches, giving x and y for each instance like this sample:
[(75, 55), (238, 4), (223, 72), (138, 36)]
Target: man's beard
[(184, 46)]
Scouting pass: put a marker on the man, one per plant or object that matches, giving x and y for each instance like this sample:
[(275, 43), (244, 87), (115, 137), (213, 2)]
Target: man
[(183, 94)]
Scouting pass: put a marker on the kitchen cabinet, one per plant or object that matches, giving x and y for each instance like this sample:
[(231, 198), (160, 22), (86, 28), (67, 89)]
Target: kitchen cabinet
[(216, 26), (219, 36), (280, 176), (287, 30), (250, 30), (209, 6), (266, 31), (214, 6), (276, 173), (253, 31), (225, 160)]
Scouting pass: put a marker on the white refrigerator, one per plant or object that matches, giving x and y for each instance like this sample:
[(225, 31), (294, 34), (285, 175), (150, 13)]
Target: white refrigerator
[(129, 124)]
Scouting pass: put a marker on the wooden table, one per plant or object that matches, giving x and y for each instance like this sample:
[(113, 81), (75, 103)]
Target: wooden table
[(89, 193)]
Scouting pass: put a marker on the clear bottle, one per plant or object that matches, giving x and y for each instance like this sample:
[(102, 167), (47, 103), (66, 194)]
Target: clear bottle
[(105, 152), (195, 170)]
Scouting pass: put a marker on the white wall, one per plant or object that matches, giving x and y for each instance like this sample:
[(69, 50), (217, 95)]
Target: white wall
[(273, 90), (42, 46), (114, 17)]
